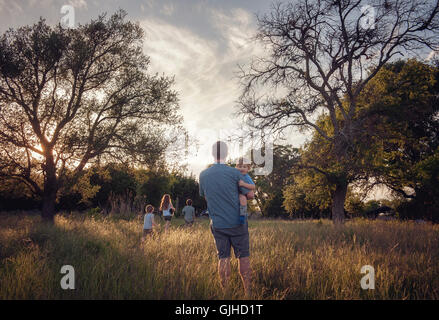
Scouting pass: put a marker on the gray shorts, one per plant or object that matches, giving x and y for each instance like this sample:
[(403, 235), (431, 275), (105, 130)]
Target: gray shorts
[(236, 237)]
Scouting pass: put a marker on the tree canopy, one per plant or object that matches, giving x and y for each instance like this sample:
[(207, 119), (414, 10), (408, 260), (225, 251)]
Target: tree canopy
[(71, 97), (320, 57), (396, 144)]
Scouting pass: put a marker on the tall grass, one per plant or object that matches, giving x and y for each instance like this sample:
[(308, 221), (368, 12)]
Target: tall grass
[(290, 260)]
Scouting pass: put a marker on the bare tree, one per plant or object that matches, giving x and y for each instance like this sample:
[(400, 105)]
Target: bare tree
[(69, 97), (321, 55)]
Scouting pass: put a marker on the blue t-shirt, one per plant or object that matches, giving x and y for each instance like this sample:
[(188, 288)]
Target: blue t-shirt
[(219, 185), (247, 179)]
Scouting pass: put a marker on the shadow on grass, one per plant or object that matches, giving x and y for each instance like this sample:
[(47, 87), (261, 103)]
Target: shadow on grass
[(31, 268), (111, 265)]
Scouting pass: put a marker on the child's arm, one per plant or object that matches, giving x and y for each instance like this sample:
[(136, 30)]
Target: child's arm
[(247, 185), (153, 222)]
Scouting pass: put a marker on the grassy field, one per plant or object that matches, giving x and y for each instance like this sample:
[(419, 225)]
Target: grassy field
[(291, 260)]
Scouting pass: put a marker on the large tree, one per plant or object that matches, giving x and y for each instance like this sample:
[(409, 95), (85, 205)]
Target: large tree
[(319, 52), (70, 97), (397, 144), (401, 108)]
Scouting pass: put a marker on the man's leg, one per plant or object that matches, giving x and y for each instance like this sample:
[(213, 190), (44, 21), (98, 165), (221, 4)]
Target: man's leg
[(224, 272), (223, 247), (245, 272), (241, 246)]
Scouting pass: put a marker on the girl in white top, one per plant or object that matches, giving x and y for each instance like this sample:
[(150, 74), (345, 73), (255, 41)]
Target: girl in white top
[(168, 210)]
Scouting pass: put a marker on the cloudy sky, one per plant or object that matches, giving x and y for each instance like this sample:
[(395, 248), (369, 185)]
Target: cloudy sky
[(200, 42)]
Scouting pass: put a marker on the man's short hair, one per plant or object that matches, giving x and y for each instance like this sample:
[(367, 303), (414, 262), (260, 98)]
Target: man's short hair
[(219, 150), (189, 202)]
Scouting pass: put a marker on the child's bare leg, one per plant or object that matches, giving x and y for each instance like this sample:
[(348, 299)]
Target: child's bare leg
[(242, 199), (242, 208)]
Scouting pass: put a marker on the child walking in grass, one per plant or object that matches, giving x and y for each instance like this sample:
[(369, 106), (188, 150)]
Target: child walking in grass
[(168, 210), (247, 183), (148, 222), (189, 213)]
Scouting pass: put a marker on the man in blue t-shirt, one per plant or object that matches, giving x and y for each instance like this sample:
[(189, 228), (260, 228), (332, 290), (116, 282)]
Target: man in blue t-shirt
[(219, 185)]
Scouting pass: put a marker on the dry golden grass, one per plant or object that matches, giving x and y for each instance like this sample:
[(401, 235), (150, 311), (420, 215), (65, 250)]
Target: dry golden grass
[(290, 260)]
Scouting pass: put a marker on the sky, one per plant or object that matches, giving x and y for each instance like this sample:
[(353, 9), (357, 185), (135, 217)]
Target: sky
[(199, 42)]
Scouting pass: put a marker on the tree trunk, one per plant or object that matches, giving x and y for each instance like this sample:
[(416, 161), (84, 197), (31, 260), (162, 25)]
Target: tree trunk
[(259, 203), (50, 190), (338, 200)]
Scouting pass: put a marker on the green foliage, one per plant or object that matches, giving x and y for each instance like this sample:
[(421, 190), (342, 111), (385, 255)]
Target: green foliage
[(372, 205), (127, 188), (354, 204), (153, 185), (85, 186), (94, 212), (184, 188), (402, 104), (308, 195), (268, 193), (14, 196)]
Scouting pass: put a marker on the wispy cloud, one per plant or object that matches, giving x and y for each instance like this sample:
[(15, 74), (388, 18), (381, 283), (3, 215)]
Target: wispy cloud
[(204, 70), (10, 8)]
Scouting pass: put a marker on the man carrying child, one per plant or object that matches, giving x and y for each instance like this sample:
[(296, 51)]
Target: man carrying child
[(219, 184)]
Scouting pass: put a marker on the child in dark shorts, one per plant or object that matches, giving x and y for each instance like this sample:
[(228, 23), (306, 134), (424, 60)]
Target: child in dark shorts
[(168, 210), (148, 221)]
